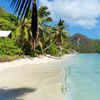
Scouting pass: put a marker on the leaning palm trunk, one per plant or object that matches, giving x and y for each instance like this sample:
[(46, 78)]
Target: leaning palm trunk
[(34, 26)]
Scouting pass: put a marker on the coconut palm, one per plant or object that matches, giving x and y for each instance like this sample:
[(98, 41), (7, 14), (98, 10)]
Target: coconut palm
[(23, 32), (44, 15), (21, 8), (60, 32), (43, 19)]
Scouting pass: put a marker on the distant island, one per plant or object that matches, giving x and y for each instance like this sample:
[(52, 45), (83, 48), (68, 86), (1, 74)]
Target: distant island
[(85, 44)]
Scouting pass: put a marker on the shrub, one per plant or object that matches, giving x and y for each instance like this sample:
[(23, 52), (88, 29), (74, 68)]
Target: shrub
[(9, 47), (53, 50)]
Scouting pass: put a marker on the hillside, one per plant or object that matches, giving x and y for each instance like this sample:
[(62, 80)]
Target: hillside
[(7, 20), (2, 11), (85, 44)]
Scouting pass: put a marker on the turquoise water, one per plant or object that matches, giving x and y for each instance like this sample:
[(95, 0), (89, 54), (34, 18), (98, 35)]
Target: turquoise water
[(83, 77)]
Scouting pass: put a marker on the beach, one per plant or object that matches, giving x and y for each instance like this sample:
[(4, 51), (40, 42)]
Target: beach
[(32, 79)]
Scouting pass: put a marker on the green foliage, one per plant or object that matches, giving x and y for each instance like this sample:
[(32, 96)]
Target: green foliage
[(7, 21), (50, 38), (47, 35), (9, 47), (53, 50), (5, 24), (86, 45), (97, 46), (2, 11), (9, 17)]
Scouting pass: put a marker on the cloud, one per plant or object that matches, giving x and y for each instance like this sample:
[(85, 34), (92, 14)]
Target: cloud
[(83, 13)]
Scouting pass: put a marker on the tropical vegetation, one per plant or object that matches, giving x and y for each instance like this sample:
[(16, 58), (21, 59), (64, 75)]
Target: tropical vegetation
[(51, 39)]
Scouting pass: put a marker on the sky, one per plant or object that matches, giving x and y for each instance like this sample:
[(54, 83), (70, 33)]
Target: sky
[(83, 16)]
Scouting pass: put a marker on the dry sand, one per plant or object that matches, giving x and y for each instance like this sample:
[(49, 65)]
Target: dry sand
[(31, 79)]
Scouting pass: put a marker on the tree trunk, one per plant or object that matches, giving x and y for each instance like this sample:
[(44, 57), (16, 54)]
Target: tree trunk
[(34, 26)]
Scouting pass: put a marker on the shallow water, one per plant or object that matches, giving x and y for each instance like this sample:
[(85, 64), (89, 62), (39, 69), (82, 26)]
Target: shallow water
[(83, 77)]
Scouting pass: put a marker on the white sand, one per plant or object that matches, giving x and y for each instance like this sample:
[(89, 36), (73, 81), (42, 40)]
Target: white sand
[(32, 79), (26, 61)]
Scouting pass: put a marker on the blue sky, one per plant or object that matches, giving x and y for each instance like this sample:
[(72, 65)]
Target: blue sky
[(83, 16)]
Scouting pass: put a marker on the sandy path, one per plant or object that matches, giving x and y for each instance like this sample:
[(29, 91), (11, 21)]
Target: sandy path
[(32, 82)]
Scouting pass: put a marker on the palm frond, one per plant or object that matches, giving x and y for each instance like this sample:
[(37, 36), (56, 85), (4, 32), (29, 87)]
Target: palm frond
[(20, 7)]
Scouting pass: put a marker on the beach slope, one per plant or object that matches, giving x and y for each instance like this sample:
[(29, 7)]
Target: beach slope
[(33, 80)]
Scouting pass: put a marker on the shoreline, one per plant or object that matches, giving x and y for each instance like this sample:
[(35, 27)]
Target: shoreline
[(26, 61), (29, 60), (45, 74)]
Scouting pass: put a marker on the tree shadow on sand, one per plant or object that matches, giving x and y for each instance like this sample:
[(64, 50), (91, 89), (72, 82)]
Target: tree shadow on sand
[(13, 94)]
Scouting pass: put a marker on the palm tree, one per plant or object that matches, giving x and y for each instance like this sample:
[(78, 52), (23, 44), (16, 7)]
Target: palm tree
[(60, 36), (23, 33), (43, 19), (21, 8), (60, 32), (44, 15)]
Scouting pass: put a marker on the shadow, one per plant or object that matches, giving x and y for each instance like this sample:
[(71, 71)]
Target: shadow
[(13, 94), (49, 56), (31, 58)]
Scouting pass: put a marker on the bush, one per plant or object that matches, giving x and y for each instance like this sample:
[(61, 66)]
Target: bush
[(5, 24), (65, 51), (9, 47), (53, 50)]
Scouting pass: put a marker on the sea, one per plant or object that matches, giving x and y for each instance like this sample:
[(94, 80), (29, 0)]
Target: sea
[(82, 77)]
